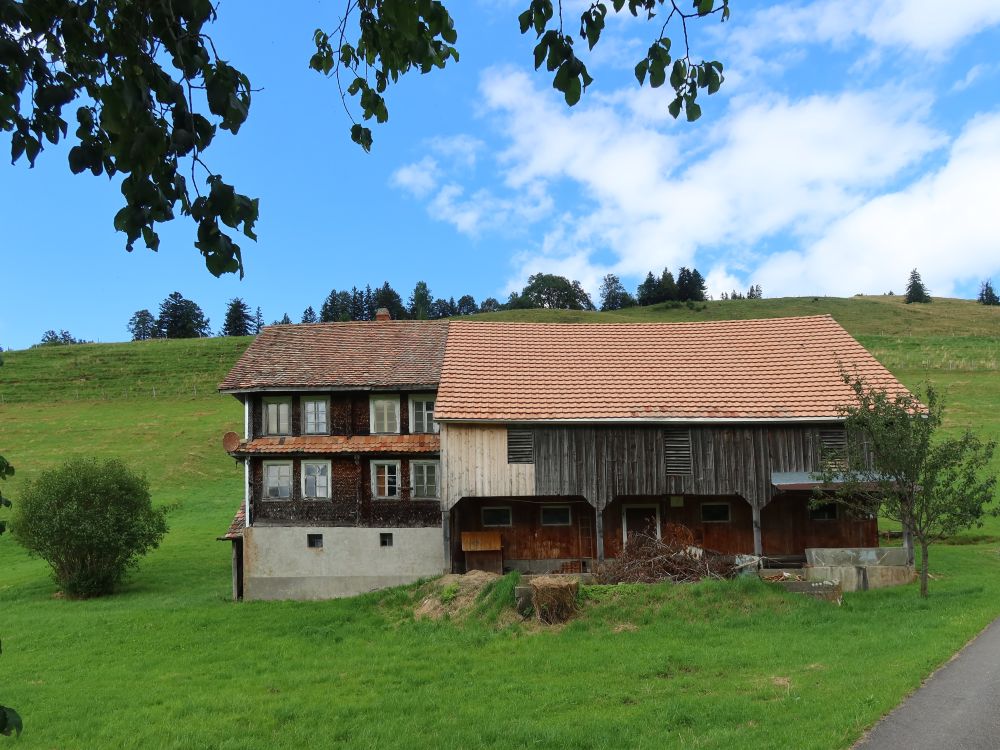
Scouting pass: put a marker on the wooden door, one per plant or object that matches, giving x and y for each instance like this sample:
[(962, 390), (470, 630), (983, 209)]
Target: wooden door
[(645, 518)]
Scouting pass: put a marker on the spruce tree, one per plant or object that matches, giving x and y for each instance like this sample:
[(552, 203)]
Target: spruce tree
[(648, 291), (387, 297), (181, 319), (986, 294), (667, 288), (238, 320), (420, 301), (915, 289), (258, 321), (142, 325), (309, 315)]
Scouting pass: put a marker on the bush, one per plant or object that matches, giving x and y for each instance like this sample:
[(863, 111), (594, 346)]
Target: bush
[(90, 521)]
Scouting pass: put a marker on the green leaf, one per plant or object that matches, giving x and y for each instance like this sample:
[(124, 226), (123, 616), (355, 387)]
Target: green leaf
[(78, 159), (540, 49), (572, 92), (705, 7), (693, 110), (657, 74), (674, 108), (525, 21), (640, 71), (362, 136)]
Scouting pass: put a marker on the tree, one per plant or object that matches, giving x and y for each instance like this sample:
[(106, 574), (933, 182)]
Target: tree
[(181, 319), (690, 285), (986, 294), (387, 297), (648, 292), (258, 321), (555, 292), (142, 325), (336, 308), (91, 521), (63, 338), (915, 289), (466, 305), (153, 94), (309, 315), (613, 295), (239, 321), (490, 304), (667, 289), (442, 308), (420, 301), (285, 321), (898, 466)]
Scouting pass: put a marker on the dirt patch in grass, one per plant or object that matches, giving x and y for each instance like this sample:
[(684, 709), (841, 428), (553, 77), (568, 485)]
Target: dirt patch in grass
[(625, 627), (453, 596)]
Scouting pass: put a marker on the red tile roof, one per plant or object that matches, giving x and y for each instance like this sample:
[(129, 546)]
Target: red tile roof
[(369, 354), (776, 369), (236, 527), (420, 443)]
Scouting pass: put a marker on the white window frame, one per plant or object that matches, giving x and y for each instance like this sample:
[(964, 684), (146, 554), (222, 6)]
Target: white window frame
[(371, 413), (659, 521), (567, 508), (373, 469), (422, 398), (482, 516), (437, 479), (325, 400), (275, 400), (729, 512), (291, 480), (329, 479)]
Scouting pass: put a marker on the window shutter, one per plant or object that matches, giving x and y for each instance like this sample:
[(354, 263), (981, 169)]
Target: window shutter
[(520, 446), (677, 448), (833, 447)]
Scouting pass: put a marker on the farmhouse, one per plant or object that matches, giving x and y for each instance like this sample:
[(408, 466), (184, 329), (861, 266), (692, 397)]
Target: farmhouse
[(380, 452)]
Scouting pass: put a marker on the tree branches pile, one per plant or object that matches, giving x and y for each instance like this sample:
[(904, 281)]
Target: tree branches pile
[(646, 559)]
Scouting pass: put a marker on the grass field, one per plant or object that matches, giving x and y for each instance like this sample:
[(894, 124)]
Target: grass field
[(170, 662)]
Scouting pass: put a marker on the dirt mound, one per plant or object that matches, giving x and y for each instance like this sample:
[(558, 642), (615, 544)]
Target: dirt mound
[(453, 595)]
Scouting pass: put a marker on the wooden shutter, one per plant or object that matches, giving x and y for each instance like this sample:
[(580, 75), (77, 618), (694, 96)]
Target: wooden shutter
[(677, 448), (520, 446), (833, 448)]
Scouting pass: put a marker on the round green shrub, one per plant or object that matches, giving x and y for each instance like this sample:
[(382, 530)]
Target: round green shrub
[(90, 521)]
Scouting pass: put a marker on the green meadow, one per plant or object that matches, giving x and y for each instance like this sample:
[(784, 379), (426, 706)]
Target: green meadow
[(172, 662)]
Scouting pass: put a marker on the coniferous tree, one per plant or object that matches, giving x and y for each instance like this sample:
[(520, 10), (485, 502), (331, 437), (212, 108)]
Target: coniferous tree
[(258, 321), (359, 310), (420, 301), (239, 321), (697, 286), (181, 319), (915, 289), (648, 292), (336, 308), (285, 321), (613, 294), (142, 325), (309, 315), (370, 306), (986, 294), (667, 287), (387, 297)]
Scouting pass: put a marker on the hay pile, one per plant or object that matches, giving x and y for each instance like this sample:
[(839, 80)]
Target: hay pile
[(453, 595), (646, 559), (554, 598)]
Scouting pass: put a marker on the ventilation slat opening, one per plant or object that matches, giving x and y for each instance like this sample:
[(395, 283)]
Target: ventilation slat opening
[(677, 447), (520, 446)]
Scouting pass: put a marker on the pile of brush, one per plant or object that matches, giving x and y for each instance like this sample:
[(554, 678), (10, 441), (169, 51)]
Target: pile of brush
[(646, 559)]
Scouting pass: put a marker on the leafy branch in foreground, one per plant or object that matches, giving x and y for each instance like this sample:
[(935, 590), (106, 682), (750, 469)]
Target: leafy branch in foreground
[(899, 466)]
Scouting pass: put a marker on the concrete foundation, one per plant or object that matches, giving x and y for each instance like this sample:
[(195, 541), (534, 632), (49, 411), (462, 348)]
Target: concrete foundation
[(278, 564), (860, 569)]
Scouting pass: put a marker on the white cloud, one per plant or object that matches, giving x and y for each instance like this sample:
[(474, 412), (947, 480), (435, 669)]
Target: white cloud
[(418, 178), (946, 224)]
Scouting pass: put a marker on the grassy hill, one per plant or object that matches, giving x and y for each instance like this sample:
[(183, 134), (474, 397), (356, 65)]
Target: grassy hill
[(170, 662)]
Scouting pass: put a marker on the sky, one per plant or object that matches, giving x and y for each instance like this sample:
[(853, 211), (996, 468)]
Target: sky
[(850, 143)]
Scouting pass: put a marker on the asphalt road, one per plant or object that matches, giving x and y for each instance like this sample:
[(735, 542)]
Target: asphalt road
[(958, 708)]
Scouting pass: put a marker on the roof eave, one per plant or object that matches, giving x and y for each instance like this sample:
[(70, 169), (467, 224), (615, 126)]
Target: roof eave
[(329, 388), (644, 420)]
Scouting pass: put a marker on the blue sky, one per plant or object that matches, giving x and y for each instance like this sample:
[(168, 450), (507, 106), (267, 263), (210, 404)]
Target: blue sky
[(850, 143)]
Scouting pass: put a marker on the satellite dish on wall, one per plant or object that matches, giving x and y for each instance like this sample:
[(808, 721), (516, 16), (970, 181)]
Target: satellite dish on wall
[(230, 441)]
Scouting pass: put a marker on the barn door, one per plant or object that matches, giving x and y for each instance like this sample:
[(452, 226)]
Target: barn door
[(636, 518)]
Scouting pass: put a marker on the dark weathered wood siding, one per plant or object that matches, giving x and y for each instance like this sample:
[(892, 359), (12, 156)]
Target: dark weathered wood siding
[(601, 463)]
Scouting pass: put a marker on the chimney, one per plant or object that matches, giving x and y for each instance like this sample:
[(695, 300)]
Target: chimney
[(383, 314)]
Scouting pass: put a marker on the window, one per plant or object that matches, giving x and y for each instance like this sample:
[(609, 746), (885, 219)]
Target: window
[(677, 448), (520, 446), (385, 479), (314, 541), (556, 515), (385, 539), (278, 480), (425, 478), (316, 479), (496, 516), (276, 416), (715, 512), (824, 512), (422, 414), (384, 414), (314, 421)]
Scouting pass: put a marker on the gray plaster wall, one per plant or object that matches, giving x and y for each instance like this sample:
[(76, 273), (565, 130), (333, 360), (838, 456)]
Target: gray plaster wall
[(277, 564)]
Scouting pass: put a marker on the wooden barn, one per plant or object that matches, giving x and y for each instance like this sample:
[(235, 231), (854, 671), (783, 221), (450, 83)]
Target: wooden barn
[(563, 438)]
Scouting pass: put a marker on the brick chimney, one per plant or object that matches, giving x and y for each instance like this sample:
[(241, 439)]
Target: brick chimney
[(383, 314)]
